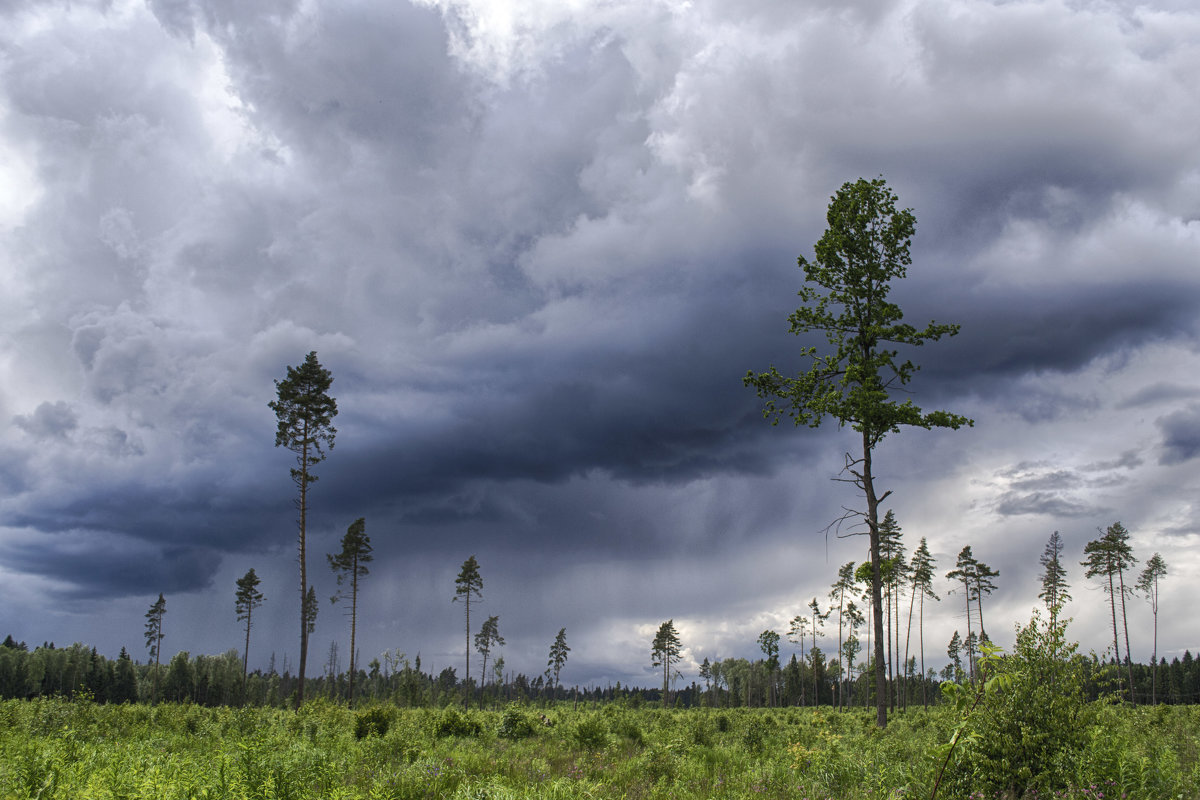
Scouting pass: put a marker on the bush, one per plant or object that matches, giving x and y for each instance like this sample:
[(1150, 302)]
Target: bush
[(591, 732), (372, 722), (452, 722), (516, 724), (1026, 727)]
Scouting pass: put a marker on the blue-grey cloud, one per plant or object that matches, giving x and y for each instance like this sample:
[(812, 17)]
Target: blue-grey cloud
[(1180, 435)]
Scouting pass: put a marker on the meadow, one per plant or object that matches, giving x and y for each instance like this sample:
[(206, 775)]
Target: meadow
[(58, 748)]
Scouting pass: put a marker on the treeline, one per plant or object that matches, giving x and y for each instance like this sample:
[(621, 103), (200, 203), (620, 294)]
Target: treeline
[(79, 671)]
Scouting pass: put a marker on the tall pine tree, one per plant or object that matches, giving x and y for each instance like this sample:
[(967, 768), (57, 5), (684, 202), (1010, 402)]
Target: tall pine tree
[(304, 412)]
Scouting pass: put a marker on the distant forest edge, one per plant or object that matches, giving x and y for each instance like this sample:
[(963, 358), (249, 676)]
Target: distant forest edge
[(79, 671)]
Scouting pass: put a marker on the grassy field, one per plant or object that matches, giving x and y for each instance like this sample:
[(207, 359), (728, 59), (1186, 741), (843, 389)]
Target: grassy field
[(73, 749)]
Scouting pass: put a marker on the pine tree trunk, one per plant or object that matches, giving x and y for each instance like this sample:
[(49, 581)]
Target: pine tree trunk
[(303, 569), (876, 599), (1125, 623), (1112, 603), (353, 620)]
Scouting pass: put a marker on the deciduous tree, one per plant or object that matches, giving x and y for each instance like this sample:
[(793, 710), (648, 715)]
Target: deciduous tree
[(864, 250), (350, 565), (304, 412)]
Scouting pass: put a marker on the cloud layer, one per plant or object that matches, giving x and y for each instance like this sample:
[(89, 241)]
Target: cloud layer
[(538, 244)]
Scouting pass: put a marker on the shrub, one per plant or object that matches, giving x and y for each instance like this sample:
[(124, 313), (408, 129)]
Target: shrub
[(516, 724), (1026, 727), (373, 721), (452, 722), (591, 732)]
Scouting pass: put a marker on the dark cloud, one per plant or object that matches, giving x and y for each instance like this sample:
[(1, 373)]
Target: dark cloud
[(1159, 393), (539, 246), (91, 565), (55, 420), (1047, 503), (1180, 435)]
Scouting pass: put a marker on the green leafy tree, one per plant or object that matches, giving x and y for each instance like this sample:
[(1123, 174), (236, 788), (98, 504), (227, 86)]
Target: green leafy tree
[(796, 634), (1156, 570), (247, 598), (350, 566), (179, 686), (487, 638), (558, 657), (964, 572), (921, 570), (853, 645), (154, 637), (665, 652), (818, 625), (865, 249), (843, 584), (468, 583), (1055, 589), (125, 680), (1108, 557), (891, 550), (768, 642), (982, 584), (954, 670), (304, 412)]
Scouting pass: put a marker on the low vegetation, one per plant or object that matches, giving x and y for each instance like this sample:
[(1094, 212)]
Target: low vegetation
[(55, 748)]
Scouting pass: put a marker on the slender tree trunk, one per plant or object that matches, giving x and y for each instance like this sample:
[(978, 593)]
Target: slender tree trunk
[(876, 599), (1154, 657), (304, 611), (970, 649), (157, 650), (841, 604), (908, 634), (1125, 623), (921, 634), (467, 673), (887, 599), (1112, 604), (246, 652), (979, 603), (353, 620), (898, 687)]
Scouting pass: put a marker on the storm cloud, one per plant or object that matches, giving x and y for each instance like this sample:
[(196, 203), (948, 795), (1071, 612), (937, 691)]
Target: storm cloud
[(538, 245)]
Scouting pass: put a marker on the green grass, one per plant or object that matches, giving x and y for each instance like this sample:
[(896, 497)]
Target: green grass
[(72, 749)]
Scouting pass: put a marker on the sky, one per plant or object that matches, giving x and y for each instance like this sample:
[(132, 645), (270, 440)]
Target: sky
[(538, 245)]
